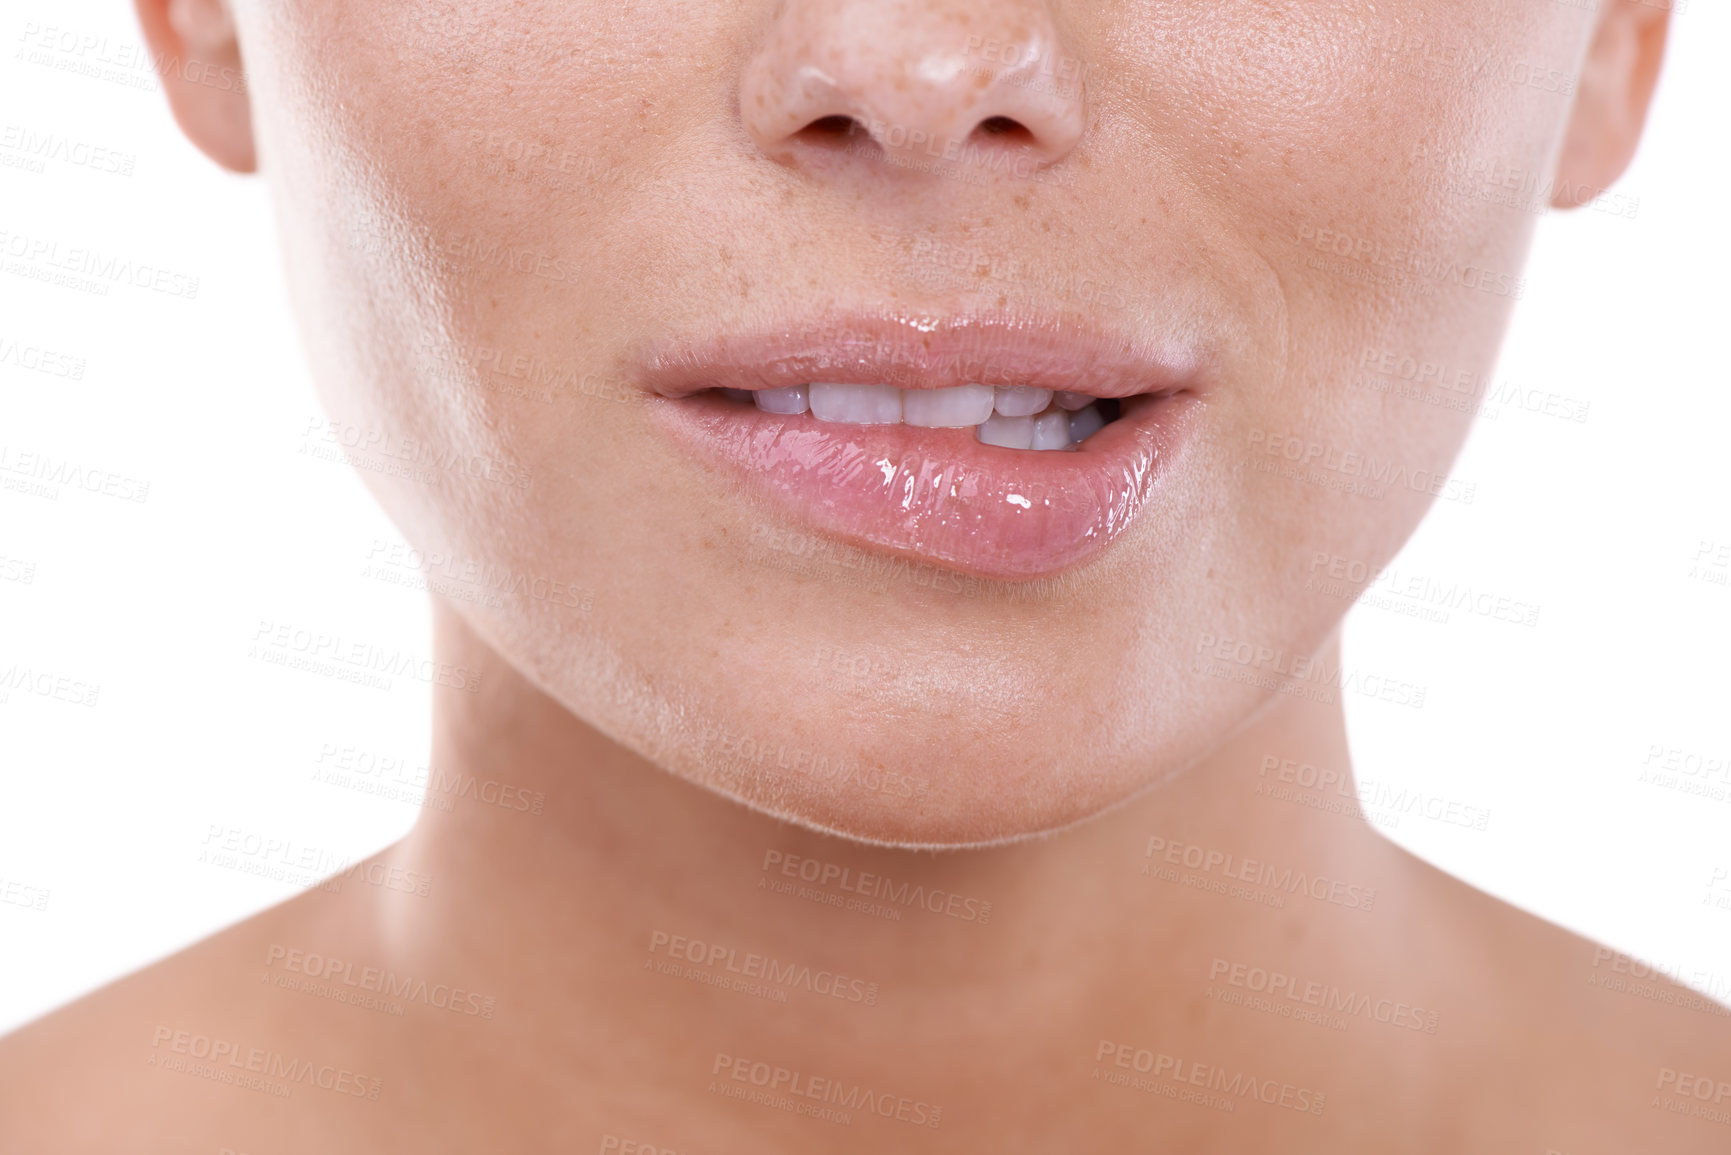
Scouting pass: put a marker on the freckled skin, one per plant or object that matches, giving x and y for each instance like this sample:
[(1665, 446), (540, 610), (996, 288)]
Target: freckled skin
[(1170, 171), (474, 186)]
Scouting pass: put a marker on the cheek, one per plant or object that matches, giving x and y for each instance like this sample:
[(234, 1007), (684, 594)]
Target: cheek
[(1388, 167), (445, 179), (1371, 156)]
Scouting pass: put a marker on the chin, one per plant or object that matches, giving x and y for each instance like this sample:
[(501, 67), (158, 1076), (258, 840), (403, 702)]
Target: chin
[(937, 791)]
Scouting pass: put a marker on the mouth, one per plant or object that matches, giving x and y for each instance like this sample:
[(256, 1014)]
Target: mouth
[(999, 447), (1008, 416)]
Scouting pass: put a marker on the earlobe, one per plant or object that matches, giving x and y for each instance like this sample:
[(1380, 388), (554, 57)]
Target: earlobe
[(1616, 88), (200, 67)]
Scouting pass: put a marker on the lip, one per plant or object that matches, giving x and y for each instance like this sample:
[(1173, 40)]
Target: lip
[(939, 495)]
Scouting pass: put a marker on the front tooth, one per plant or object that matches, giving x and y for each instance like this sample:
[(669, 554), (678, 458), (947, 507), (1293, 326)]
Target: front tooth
[(955, 407), (1021, 400), (1051, 430), (786, 401), (1084, 423), (1069, 400), (856, 404), (1009, 432)]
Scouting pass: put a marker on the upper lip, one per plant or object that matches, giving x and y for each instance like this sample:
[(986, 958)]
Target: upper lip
[(914, 352)]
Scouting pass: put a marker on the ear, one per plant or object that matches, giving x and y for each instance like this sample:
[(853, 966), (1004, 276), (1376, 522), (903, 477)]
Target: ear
[(199, 65), (1616, 88)]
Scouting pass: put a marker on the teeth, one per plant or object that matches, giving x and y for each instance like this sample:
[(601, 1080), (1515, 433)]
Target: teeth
[(1084, 423), (787, 401), (856, 404), (1012, 417), (1021, 400), (953, 408), (1051, 430), (1009, 432)]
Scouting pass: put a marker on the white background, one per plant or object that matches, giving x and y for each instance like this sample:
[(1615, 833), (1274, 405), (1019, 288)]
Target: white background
[(108, 807)]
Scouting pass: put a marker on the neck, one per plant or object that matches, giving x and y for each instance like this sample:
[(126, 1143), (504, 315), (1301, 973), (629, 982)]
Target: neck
[(587, 884)]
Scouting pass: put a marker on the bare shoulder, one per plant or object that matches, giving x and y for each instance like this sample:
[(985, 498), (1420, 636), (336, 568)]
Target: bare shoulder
[(203, 1050), (1603, 1052)]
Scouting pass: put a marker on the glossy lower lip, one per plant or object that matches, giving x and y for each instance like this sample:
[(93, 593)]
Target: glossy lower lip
[(939, 495)]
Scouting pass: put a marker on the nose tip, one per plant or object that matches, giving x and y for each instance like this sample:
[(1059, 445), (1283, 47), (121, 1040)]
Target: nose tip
[(936, 79)]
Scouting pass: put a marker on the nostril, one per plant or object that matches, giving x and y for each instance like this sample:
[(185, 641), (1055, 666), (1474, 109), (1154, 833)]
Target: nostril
[(1005, 129), (839, 132), (829, 130)]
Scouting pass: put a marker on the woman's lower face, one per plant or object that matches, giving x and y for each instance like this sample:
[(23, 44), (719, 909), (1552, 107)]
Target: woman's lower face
[(929, 422)]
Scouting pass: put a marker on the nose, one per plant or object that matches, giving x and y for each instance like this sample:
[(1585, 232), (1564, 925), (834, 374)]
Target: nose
[(928, 80)]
